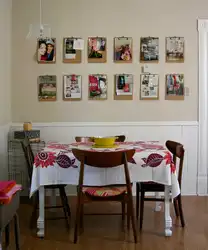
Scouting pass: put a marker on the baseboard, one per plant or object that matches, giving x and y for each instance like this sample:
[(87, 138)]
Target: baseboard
[(202, 185)]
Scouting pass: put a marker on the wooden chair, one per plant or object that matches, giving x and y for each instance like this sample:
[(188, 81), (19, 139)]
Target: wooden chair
[(122, 193), (178, 152), (29, 156), (120, 138)]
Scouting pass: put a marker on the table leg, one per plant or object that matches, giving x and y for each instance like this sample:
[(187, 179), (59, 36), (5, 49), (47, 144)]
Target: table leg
[(158, 203), (41, 219), (168, 219)]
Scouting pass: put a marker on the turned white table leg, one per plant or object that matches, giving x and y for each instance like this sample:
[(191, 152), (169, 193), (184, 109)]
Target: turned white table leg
[(41, 219), (158, 203), (168, 219)]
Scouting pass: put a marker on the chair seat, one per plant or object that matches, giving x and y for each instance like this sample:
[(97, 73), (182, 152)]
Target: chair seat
[(54, 186), (107, 191), (152, 186)]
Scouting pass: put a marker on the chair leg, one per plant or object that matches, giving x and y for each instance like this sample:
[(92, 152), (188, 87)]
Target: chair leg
[(137, 199), (77, 219), (123, 210), (82, 218), (33, 217), (128, 216), (181, 210), (61, 192), (131, 212), (16, 231), (67, 203), (7, 239), (141, 209), (176, 207)]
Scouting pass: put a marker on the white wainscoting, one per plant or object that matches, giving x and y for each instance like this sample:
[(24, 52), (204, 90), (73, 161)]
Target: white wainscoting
[(4, 129), (184, 132)]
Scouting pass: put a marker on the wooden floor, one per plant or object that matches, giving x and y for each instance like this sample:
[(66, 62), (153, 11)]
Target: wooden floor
[(105, 232)]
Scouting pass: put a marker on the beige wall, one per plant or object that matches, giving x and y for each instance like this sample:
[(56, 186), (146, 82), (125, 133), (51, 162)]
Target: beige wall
[(109, 18), (5, 61)]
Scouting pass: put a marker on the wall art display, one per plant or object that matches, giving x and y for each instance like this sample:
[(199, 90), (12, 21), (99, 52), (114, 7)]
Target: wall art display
[(46, 50), (123, 49), (98, 87), (123, 87), (97, 49), (71, 55), (72, 87), (149, 49), (149, 87), (47, 89), (175, 49), (174, 87)]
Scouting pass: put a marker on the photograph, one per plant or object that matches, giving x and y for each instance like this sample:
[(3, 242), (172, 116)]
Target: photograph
[(174, 87), (175, 49), (149, 49), (123, 49), (97, 51), (98, 87), (72, 87), (70, 55), (47, 89), (46, 50), (149, 87)]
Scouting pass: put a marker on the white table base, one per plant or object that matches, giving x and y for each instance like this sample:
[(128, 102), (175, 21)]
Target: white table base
[(167, 217)]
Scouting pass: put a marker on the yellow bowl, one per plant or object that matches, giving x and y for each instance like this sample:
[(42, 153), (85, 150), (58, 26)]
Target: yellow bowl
[(104, 141)]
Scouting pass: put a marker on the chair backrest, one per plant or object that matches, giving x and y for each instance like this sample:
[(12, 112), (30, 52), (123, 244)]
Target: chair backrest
[(83, 139), (104, 160), (29, 156), (120, 138), (178, 151)]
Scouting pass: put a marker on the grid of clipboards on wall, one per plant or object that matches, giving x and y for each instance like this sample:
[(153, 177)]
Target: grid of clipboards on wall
[(124, 85)]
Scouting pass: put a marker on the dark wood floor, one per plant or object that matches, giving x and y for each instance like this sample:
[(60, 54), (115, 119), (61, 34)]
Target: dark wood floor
[(105, 232)]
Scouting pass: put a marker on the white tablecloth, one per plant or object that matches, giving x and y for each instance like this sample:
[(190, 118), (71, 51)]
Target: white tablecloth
[(56, 164)]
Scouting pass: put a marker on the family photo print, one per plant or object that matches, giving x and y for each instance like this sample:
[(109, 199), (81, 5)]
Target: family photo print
[(46, 50)]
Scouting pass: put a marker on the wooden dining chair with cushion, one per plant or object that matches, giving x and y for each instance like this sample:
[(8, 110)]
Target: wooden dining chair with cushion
[(119, 138), (29, 156), (177, 150), (119, 193)]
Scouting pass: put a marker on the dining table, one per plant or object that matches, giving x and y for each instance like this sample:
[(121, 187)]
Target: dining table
[(152, 162)]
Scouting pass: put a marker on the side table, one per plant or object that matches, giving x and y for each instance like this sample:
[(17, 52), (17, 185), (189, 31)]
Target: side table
[(7, 213)]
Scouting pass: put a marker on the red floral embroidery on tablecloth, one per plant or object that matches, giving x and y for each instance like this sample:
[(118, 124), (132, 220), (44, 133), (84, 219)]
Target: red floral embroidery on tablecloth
[(153, 160), (45, 159), (169, 161)]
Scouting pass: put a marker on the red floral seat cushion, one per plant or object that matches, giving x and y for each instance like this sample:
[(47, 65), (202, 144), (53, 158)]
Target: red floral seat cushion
[(104, 191)]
